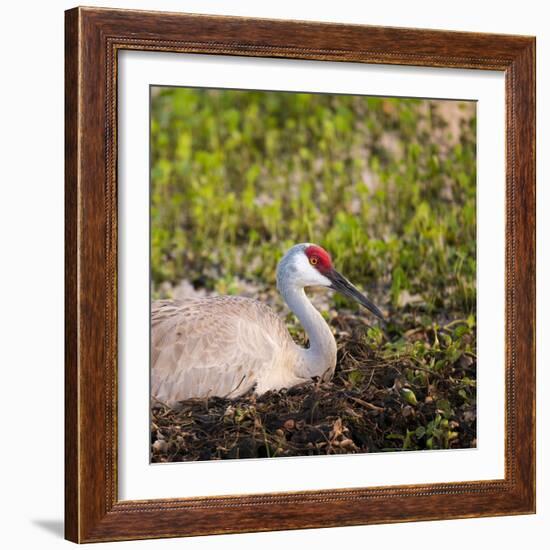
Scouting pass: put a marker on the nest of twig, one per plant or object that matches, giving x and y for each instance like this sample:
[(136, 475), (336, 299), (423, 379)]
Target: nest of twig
[(372, 404)]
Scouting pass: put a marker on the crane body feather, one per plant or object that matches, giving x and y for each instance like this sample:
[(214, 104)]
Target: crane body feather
[(220, 346)]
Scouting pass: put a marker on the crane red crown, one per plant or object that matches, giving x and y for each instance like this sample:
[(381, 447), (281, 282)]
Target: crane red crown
[(319, 258)]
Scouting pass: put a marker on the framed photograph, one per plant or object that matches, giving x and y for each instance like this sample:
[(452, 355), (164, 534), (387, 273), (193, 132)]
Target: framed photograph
[(300, 275)]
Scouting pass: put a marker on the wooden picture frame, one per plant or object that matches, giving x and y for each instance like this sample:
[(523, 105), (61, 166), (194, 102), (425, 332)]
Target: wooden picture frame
[(93, 511)]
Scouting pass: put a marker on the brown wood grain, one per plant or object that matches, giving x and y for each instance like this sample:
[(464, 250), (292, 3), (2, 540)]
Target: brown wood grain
[(71, 270), (93, 38)]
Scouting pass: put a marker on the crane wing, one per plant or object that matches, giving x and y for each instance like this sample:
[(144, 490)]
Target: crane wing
[(209, 347)]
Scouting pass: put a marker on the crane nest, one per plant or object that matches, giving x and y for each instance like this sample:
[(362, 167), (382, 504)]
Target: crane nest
[(372, 404)]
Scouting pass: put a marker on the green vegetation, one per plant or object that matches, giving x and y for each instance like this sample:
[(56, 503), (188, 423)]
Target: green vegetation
[(387, 186)]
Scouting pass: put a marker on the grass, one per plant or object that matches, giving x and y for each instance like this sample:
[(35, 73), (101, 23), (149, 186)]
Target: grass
[(387, 185)]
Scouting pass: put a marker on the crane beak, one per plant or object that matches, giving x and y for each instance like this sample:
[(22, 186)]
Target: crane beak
[(342, 285)]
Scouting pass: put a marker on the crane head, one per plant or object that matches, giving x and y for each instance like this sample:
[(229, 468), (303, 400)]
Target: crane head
[(308, 264)]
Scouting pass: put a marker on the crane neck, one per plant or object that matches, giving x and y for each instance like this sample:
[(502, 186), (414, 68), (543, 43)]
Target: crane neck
[(320, 358)]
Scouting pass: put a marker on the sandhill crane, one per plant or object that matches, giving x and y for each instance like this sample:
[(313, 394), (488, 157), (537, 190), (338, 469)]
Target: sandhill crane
[(225, 345)]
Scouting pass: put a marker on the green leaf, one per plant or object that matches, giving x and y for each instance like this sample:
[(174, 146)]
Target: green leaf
[(409, 396), (420, 432)]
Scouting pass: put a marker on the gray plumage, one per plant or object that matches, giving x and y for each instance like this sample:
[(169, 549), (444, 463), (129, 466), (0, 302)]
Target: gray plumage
[(219, 346)]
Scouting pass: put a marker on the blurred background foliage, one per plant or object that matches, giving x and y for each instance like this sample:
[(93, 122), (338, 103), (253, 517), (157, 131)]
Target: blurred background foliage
[(388, 187), (384, 184)]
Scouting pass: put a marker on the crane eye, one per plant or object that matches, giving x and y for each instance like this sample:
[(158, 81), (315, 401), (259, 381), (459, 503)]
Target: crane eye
[(313, 260)]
